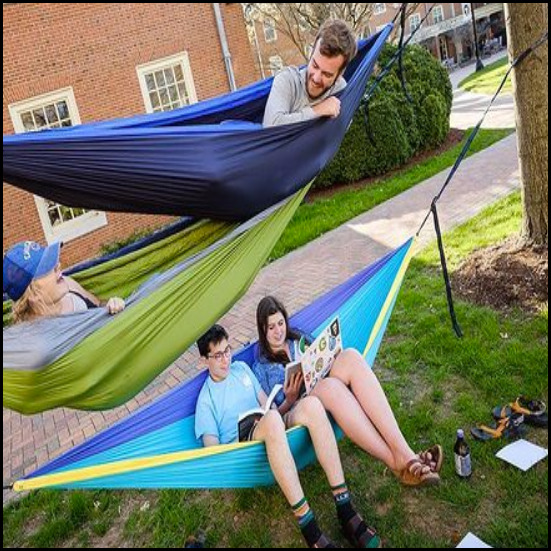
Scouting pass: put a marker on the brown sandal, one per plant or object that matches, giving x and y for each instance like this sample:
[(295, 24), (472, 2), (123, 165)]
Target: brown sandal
[(416, 473), (433, 458)]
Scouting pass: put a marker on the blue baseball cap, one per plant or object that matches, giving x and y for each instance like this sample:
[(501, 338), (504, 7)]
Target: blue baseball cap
[(27, 261)]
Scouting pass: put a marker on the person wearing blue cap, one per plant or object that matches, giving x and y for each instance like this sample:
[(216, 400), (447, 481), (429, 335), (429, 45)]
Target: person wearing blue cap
[(33, 279)]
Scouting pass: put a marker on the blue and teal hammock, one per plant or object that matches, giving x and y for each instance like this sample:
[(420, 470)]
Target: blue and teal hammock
[(156, 446)]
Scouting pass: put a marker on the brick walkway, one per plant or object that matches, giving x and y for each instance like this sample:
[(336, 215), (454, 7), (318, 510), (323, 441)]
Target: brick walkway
[(297, 279)]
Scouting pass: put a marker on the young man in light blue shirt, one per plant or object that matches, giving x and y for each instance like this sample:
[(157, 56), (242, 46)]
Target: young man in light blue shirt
[(231, 389)]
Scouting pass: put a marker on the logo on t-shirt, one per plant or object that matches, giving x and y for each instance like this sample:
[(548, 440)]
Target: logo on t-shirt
[(246, 380)]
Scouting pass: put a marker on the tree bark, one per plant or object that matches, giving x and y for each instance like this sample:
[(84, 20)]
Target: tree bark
[(526, 23)]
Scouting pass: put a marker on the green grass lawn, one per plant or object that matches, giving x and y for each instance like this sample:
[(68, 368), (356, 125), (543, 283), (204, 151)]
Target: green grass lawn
[(322, 215), (488, 80), (436, 384)]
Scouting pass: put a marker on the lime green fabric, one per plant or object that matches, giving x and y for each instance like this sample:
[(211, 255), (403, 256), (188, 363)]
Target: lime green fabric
[(120, 359), (124, 275)]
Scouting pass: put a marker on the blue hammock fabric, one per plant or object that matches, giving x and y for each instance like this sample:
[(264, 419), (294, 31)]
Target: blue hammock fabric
[(156, 446), (202, 160)]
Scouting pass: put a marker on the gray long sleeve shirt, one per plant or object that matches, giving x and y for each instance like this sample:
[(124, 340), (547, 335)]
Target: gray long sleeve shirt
[(289, 101)]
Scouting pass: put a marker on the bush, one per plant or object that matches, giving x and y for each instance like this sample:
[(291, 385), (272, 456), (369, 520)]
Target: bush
[(116, 246), (434, 121), (397, 129)]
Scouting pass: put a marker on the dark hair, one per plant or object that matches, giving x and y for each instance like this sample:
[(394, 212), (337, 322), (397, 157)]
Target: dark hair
[(214, 335), (336, 38), (267, 307)]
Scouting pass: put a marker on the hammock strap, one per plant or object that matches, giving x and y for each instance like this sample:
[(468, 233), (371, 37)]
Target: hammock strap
[(401, 50), (398, 56), (453, 172), (445, 273)]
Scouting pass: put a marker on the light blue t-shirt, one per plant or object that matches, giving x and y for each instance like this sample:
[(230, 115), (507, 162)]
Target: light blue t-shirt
[(220, 404)]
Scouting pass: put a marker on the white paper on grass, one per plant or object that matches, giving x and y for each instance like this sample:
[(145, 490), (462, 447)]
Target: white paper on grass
[(470, 541), (522, 454)]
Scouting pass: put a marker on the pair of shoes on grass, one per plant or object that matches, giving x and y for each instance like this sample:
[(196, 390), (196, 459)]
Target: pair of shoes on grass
[(510, 420)]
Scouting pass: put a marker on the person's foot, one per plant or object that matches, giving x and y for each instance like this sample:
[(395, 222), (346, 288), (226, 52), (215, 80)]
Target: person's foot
[(324, 543), (433, 457), (359, 534), (416, 473)]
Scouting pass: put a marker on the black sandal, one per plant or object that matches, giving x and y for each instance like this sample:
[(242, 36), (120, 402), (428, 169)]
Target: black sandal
[(360, 535)]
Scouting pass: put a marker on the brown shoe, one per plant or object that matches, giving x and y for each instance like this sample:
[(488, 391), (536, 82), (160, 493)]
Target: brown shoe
[(433, 457), (416, 473)]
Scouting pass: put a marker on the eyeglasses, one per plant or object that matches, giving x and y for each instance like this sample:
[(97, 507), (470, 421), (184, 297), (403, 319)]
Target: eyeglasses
[(219, 355)]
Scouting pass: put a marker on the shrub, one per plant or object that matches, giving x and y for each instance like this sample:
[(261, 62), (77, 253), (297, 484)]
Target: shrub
[(397, 129)]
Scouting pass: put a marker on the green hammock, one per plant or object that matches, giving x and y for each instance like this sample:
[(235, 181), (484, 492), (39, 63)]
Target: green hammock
[(114, 362)]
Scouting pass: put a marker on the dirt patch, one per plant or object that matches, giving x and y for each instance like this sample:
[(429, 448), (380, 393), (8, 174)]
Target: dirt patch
[(455, 137), (505, 276)]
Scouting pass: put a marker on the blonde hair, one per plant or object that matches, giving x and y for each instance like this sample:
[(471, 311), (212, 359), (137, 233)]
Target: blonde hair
[(33, 305)]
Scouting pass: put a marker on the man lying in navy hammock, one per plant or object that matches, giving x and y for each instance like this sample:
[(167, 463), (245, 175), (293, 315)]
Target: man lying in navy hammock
[(303, 94)]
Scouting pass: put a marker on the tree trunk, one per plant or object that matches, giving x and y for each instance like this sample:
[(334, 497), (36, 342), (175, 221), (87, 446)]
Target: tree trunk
[(526, 23)]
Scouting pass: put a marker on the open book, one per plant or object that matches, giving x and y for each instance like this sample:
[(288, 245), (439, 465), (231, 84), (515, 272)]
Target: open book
[(316, 360), (248, 419)]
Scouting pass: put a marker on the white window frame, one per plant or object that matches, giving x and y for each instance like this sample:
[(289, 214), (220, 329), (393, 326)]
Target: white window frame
[(270, 31), (84, 224), (379, 9), (181, 58), (414, 17), (276, 64), (440, 10)]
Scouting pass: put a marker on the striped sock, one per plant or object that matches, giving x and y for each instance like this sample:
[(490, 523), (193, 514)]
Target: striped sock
[(307, 522), (302, 512)]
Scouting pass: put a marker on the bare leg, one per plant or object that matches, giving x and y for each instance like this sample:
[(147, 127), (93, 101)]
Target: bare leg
[(337, 398), (310, 412), (271, 431), (351, 369)]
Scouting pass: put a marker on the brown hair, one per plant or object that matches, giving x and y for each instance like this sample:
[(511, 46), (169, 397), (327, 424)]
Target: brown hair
[(267, 307), (336, 38)]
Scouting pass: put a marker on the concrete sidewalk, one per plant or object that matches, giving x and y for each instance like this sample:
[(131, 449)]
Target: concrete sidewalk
[(297, 279), (468, 108)]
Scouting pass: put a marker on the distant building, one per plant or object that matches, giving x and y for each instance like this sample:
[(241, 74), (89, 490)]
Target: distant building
[(448, 31)]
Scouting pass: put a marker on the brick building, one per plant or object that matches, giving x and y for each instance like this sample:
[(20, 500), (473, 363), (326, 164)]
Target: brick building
[(448, 31), (274, 49), (66, 64)]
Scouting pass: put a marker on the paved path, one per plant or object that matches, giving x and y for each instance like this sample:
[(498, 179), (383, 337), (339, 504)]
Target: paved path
[(468, 108)]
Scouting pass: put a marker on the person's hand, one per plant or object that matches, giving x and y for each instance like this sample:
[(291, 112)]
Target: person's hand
[(330, 107), (115, 305), (292, 388)]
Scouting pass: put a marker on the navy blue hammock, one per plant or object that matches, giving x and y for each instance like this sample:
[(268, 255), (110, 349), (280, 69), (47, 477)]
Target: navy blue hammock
[(209, 160), (246, 179)]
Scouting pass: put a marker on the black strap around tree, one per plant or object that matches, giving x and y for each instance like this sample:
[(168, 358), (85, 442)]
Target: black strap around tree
[(433, 211)]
